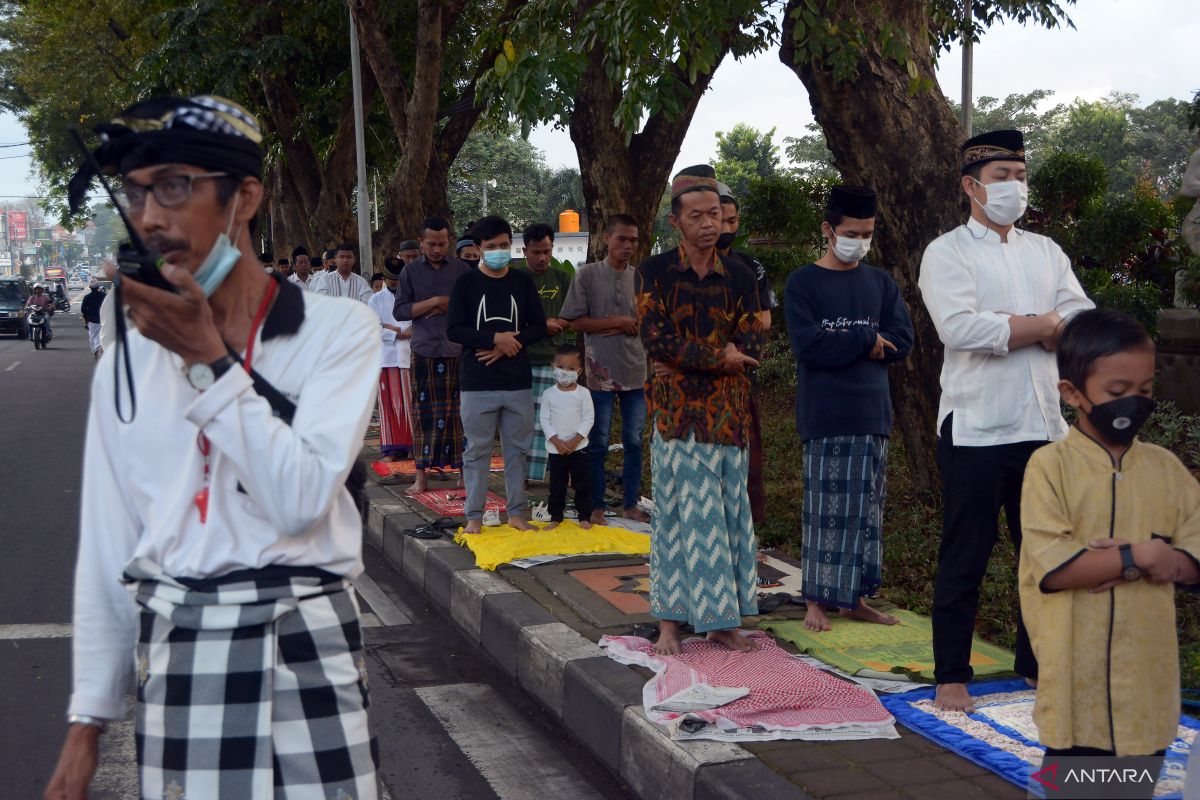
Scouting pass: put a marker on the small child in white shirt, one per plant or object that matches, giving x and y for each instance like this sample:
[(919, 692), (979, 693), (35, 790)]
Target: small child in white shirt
[(567, 417)]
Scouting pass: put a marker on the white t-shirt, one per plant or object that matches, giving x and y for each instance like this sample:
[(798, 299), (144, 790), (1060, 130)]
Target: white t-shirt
[(563, 414), (396, 351)]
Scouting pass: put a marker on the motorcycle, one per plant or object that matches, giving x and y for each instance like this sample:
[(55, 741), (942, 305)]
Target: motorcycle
[(38, 323), (63, 305)]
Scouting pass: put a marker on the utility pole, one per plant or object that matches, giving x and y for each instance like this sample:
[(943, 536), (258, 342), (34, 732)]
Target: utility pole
[(968, 65), (491, 181), (360, 147)]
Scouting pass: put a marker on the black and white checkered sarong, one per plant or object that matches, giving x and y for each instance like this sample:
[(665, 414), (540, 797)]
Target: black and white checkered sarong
[(251, 686)]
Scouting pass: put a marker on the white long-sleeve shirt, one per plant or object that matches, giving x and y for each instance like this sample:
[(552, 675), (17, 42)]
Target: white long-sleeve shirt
[(332, 284), (971, 283), (564, 414), (140, 479), (396, 351)]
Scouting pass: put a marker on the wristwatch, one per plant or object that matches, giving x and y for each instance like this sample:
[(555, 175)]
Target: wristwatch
[(84, 719), (202, 376), (1130, 571)]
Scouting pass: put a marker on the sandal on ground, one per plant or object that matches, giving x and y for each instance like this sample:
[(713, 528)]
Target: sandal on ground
[(645, 630), (423, 532), (766, 583), (771, 602)]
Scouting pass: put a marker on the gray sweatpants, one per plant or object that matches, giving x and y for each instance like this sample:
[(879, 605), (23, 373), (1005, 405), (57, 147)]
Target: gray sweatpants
[(482, 414)]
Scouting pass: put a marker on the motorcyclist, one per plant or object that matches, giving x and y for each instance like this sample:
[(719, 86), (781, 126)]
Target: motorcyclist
[(42, 300)]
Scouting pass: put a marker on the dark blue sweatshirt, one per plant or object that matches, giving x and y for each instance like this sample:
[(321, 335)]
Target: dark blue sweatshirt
[(833, 318)]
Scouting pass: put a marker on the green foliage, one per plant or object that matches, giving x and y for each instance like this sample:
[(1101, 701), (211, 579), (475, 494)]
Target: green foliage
[(743, 154), (1020, 111), (652, 55), (810, 154), (786, 208), (1067, 183), (1141, 299), (562, 189), (1193, 112), (518, 168)]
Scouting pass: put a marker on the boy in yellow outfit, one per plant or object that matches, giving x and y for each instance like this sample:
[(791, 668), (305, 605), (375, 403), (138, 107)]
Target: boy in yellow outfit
[(1111, 525)]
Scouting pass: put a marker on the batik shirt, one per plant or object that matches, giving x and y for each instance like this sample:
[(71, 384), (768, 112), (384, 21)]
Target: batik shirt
[(686, 322)]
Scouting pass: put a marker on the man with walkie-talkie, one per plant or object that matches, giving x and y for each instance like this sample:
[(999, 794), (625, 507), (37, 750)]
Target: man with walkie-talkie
[(222, 592)]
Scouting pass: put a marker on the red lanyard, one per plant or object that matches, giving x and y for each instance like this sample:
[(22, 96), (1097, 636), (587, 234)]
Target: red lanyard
[(202, 442)]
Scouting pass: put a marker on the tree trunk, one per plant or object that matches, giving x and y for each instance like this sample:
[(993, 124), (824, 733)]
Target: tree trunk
[(625, 178), (905, 146)]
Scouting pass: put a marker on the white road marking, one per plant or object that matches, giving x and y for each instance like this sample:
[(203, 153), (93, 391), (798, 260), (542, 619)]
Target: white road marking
[(12, 366), (42, 631), (516, 761), (387, 610), (369, 620)]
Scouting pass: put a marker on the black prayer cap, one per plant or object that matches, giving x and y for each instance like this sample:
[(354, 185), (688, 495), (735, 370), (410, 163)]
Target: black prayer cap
[(392, 267), (204, 131), (1006, 145), (409, 244), (856, 202)]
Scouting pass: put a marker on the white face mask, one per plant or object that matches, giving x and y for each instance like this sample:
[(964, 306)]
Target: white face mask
[(565, 377), (1007, 201), (851, 251)]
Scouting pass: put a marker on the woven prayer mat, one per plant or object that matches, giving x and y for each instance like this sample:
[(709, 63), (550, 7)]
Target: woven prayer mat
[(452, 502), (386, 469), (864, 648), (625, 588), (499, 545), (787, 698), (1001, 735)]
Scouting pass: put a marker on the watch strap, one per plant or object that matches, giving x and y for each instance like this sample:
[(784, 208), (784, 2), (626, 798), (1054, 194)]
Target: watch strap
[(84, 719), (1126, 551), (221, 366)]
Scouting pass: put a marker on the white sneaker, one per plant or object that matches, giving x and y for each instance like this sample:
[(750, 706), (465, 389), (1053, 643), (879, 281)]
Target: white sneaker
[(491, 518), (646, 504), (541, 513)]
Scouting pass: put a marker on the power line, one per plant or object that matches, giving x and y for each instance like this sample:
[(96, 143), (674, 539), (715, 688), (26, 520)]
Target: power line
[(16, 144), (23, 155)]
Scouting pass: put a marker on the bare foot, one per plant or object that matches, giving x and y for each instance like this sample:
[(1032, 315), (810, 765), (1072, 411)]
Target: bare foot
[(583, 523), (473, 526), (865, 613), (598, 516), (390, 459), (1031, 683), (420, 485), (519, 523), (549, 526), (668, 643), (734, 640), (954, 697), (815, 619), (635, 514)]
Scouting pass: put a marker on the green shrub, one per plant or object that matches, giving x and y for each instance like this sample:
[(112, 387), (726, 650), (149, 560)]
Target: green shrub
[(1066, 183)]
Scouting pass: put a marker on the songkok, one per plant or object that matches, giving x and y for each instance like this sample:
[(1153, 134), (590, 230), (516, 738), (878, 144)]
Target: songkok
[(392, 267), (463, 243), (204, 131), (700, 178), (409, 244), (726, 193), (378, 276), (994, 146), (856, 202)]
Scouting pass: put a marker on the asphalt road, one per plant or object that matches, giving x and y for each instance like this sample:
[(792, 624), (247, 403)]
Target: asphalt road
[(449, 725)]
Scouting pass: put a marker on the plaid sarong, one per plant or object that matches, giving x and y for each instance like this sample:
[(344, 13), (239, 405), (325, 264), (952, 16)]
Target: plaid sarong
[(395, 403), (251, 686), (543, 379), (437, 432), (845, 481)]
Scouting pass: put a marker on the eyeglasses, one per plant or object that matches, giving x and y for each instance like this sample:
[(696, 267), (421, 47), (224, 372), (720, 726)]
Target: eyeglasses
[(173, 190)]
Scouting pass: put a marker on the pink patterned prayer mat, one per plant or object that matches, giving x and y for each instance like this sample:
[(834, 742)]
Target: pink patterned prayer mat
[(788, 699)]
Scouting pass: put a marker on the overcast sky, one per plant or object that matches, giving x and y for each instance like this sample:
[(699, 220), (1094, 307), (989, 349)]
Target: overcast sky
[(1147, 47)]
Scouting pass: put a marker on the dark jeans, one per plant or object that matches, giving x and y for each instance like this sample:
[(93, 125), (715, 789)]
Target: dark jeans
[(633, 421), (575, 467), (1084, 792), (976, 483)]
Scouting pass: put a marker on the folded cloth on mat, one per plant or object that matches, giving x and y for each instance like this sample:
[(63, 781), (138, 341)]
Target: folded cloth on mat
[(788, 699), (863, 648), (496, 546), (385, 469), (1001, 735)]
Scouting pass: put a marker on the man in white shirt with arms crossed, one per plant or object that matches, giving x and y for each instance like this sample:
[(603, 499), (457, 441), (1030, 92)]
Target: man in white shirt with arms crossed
[(204, 573), (998, 297)]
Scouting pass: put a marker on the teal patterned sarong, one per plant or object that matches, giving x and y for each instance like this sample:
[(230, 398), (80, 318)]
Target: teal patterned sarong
[(702, 548)]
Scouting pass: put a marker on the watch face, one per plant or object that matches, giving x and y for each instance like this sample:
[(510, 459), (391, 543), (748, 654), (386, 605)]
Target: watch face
[(1131, 573), (201, 376)]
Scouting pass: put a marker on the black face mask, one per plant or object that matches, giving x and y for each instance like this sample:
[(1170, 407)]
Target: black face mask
[(725, 241), (474, 262), (1119, 420)]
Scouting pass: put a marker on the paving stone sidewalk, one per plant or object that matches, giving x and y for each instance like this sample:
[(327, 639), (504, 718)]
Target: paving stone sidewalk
[(541, 624)]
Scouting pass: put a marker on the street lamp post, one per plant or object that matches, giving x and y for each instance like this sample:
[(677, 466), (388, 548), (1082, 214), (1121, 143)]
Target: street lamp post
[(492, 183), (360, 147), (967, 69)]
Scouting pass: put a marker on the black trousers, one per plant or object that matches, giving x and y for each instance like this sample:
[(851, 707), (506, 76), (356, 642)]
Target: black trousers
[(576, 468), (976, 483)]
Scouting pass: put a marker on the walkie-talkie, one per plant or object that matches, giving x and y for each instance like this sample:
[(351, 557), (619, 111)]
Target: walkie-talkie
[(135, 260)]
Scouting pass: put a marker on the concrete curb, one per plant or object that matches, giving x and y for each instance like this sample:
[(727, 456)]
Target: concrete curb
[(598, 700)]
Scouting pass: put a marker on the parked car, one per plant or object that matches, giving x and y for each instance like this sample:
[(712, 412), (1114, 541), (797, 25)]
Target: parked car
[(14, 292)]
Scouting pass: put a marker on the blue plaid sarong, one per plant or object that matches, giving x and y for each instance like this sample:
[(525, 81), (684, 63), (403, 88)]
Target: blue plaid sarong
[(543, 379), (845, 481)]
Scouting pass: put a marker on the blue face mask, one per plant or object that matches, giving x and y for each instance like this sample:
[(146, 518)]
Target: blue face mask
[(497, 259), (220, 260)]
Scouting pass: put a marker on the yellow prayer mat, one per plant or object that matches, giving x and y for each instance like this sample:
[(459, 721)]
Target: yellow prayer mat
[(496, 546)]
